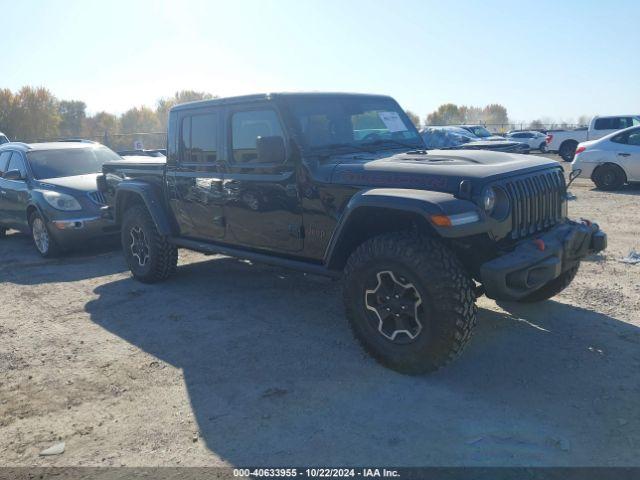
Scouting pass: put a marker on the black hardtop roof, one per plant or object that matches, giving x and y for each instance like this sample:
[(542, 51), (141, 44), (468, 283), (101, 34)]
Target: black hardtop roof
[(267, 96)]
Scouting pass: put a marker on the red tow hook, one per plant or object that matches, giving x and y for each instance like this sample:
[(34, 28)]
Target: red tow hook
[(539, 243)]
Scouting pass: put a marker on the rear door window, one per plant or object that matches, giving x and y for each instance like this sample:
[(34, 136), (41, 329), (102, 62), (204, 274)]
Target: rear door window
[(199, 139)]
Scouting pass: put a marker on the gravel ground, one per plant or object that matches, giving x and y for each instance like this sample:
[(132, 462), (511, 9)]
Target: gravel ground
[(231, 363)]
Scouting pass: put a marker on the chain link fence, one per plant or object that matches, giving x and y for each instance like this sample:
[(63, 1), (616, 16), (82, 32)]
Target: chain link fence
[(123, 141), (508, 127)]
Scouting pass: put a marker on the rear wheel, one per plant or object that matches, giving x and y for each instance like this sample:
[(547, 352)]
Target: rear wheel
[(43, 241), (149, 255), (552, 288), (609, 177), (568, 150), (409, 302)]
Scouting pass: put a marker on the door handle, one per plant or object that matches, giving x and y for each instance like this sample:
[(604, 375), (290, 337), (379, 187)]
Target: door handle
[(624, 154)]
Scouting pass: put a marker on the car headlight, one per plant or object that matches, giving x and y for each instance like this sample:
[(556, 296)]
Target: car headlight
[(489, 200), (62, 201), (495, 203)]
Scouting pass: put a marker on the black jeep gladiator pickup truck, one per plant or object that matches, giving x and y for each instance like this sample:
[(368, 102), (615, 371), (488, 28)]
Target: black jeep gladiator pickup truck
[(341, 185)]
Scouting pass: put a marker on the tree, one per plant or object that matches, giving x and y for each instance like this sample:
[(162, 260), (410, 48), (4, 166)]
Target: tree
[(98, 125), (536, 125), (413, 117), (495, 114), (35, 114), (164, 104), (7, 100), (72, 117), (447, 114)]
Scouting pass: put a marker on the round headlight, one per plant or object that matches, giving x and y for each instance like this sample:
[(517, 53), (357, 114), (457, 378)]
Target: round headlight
[(489, 200)]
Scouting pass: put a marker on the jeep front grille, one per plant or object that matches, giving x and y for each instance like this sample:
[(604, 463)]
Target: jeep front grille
[(536, 202), (97, 198)]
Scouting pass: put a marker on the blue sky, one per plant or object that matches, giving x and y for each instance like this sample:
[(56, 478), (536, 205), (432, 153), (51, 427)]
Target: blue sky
[(538, 58)]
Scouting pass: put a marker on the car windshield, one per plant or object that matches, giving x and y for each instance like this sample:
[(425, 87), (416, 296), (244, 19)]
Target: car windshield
[(67, 162), (435, 138), (480, 132), (357, 123)]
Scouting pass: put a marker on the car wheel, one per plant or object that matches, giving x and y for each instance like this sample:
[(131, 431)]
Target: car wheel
[(609, 177), (149, 255), (43, 241), (568, 150), (409, 302), (552, 288), (543, 147)]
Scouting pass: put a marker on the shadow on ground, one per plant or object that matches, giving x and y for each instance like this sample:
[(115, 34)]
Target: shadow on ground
[(274, 377), (96, 258)]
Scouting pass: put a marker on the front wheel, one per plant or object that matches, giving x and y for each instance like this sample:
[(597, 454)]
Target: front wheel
[(45, 244), (552, 288), (149, 255), (409, 302)]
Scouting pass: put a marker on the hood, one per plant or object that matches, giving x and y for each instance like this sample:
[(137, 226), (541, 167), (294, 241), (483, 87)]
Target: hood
[(439, 170), (84, 183)]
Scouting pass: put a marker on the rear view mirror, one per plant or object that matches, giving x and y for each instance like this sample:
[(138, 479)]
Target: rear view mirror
[(13, 175), (270, 149)]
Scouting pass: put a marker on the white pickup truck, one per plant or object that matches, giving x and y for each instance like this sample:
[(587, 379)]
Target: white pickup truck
[(565, 142)]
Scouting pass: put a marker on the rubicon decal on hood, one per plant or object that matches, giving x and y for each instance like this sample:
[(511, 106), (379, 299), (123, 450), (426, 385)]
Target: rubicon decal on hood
[(394, 179)]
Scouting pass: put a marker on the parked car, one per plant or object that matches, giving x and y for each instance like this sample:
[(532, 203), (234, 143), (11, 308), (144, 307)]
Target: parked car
[(48, 190), (341, 185), (481, 132), (565, 142), (459, 138), (3, 138), (611, 161), (535, 140)]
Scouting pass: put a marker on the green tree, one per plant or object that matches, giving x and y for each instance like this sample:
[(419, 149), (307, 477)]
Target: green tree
[(72, 117), (99, 125)]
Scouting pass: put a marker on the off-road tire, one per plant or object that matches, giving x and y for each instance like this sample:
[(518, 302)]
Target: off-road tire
[(52, 249), (609, 177), (447, 290), (568, 150), (552, 288), (162, 256)]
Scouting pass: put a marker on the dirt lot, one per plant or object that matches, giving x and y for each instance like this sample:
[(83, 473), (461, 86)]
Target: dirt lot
[(231, 363)]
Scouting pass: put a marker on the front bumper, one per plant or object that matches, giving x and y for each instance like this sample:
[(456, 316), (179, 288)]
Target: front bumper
[(75, 230), (538, 260)]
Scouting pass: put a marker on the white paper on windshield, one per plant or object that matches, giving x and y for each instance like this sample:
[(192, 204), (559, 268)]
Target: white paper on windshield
[(392, 121)]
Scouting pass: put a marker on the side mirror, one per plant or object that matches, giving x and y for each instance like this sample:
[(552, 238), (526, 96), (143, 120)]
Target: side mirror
[(271, 149), (13, 175)]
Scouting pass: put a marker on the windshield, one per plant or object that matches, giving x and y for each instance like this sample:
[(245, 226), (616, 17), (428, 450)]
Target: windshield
[(354, 122), (69, 161), (480, 132), (435, 138)]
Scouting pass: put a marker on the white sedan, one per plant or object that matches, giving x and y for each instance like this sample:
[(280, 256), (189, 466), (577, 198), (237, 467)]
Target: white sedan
[(535, 140), (611, 161)]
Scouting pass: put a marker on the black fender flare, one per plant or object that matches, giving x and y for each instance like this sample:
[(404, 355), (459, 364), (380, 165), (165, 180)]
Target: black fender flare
[(422, 203), (151, 198)]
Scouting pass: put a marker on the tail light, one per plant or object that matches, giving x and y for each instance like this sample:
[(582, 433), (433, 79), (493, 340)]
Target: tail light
[(548, 139), (580, 149)]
